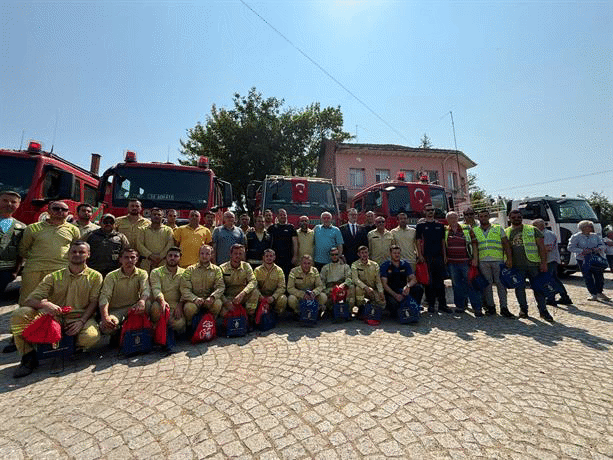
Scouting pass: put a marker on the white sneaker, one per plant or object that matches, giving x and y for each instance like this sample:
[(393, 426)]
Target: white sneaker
[(593, 297), (604, 297)]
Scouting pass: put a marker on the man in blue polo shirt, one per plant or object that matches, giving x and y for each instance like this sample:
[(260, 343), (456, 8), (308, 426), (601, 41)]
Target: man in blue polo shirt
[(327, 236), (225, 236), (398, 280)]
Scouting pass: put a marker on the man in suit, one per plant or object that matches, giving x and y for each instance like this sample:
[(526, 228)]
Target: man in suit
[(353, 237)]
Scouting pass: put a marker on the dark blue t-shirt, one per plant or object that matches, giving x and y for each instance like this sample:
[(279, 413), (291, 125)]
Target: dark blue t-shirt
[(397, 276)]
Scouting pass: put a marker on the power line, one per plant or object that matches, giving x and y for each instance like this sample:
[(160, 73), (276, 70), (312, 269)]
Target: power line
[(556, 180), (316, 64)]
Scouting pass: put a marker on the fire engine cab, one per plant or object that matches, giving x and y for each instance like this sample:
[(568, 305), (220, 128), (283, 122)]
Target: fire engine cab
[(41, 177)]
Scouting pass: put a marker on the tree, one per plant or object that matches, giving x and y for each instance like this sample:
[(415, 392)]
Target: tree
[(601, 206), (257, 137), (425, 142), (478, 197)]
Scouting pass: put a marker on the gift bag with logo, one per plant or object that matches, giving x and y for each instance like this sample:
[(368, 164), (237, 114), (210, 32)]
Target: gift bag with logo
[(408, 311), (205, 329), (235, 322), (595, 263), (422, 274), (136, 334), (510, 277), (265, 318), (372, 314), (476, 279), (309, 312), (338, 296), (544, 282)]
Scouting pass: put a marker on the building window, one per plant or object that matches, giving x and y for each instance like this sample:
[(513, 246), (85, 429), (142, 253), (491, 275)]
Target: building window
[(382, 175), (452, 181), (356, 177), (433, 176), (409, 175)]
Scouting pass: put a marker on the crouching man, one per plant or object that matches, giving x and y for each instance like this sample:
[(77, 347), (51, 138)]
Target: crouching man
[(337, 273), (271, 281), (365, 275), (202, 286), (304, 283), (123, 289), (398, 281), (240, 284), (76, 286), (166, 290)]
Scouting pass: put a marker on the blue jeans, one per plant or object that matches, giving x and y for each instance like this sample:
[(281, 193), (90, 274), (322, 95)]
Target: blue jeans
[(594, 281), (462, 288), (520, 292), (552, 268)]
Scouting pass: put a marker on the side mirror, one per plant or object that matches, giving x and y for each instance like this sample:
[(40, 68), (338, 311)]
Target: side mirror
[(228, 198), (344, 197)]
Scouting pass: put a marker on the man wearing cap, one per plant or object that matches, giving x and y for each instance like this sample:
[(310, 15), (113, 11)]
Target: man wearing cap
[(166, 290), (190, 239), (123, 289), (84, 220), (45, 247), (271, 281), (154, 241), (11, 231), (202, 286), (106, 245), (130, 224), (76, 286)]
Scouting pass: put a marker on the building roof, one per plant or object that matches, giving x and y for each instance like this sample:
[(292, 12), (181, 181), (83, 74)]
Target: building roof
[(401, 150)]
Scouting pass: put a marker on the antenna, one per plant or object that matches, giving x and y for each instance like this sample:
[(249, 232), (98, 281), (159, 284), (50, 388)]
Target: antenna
[(54, 130), (457, 155), (23, 131), (168, 154)]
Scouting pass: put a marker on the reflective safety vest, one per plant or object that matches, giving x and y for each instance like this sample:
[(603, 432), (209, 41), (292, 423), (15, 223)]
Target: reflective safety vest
[(490, 246), (530, 247)]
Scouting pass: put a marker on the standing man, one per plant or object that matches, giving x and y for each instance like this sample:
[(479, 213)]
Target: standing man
[(269, 218), (529, 257), (338, 273), (202, 286), (106, 245), (369, 223), (84, 217), (209, 221), (327, 236), (404, 237), (553, 260), (45, 247), (226, 236), (154, 241), (271, 281), (353, 237), (306, 237), (240, 284), (190, 239), (284, 242), (171, 218), (130, 224), (77, 286), (493, 247), (367, 280), (379, 241), (123, 289), (258, 240), (430, 236), (11, 231), (304, 283), (166, 290), (469, 218), (244, 222), (398, 280)]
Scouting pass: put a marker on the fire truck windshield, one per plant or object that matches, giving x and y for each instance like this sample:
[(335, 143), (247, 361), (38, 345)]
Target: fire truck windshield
[(185, 189), (572, 211), (17, 174), (320, 198), (398, 200)]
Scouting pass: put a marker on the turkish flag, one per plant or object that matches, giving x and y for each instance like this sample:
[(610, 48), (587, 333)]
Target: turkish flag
[(420, 196), (300, 190)]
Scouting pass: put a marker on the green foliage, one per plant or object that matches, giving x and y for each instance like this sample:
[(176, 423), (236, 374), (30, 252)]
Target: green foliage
[(601, 206), (478, 197), (425, 142), (258, 137)]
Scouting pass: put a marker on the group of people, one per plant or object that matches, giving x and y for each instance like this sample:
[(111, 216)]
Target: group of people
[(149, 266)]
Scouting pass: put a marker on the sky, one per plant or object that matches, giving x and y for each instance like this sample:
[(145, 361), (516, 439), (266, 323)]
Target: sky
[(529, 83)]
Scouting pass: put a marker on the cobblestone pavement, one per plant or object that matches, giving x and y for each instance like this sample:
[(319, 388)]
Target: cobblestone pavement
[(448, 388)]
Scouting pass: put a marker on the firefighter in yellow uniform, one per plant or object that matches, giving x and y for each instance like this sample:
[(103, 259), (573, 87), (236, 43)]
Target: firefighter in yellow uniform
[(367, 281), (240, 284), (154, 241), (305, 278), (45, 246), (202, 286), (130, 224), (123, 289), (271, 281), (165, 284), (76, 286), (190, 239), (336, 273)]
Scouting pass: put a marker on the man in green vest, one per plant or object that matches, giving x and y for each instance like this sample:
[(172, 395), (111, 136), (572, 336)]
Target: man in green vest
[(529, 258), (493, 246)]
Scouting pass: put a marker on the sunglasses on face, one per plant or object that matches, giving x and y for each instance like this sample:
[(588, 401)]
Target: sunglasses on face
[(59, 209)]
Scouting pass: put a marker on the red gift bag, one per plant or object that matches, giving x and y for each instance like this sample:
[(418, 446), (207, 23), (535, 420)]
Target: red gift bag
[(421, 273), (44, 329), (473, 272), (338, 294), (134, 322), (161, 327), (206, 329)]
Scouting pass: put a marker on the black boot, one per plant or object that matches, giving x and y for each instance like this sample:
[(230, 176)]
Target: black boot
[(29, 362), (565, 301)]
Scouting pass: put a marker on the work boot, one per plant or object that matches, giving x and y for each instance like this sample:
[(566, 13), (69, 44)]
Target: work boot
[(546, 316), (552, 302), (565, 301), (445, 309), (28, 363), (10, 348), (507, 314)]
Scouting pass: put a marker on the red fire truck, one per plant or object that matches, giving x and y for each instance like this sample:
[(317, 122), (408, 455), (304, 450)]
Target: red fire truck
[(165, 186), (40, 177), (390, 197), (299, 196)]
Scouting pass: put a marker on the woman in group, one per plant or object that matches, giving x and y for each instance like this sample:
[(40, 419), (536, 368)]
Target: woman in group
[(585, 242)]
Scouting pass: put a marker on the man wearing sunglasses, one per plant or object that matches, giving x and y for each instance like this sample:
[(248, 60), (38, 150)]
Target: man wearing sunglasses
[(45, 247)]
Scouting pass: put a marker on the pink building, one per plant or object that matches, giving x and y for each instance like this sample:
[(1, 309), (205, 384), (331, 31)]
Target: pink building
[(356, 166)]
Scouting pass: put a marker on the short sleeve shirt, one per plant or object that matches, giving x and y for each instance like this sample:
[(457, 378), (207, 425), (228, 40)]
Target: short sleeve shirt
[(397, 276), (432, 233)]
